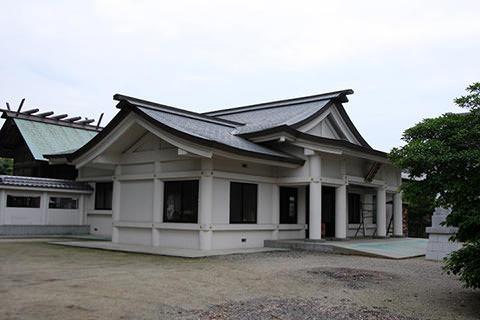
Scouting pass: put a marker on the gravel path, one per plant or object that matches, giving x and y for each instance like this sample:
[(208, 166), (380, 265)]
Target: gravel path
[(268, 308), (42, 281)]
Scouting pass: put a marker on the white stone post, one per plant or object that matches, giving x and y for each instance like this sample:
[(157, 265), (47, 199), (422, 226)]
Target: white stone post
[(381, 213), (158, 195), (116, 203), (3, 206), (275, 210), (341, 212), (206, 205), (397, 215), (315, 223)]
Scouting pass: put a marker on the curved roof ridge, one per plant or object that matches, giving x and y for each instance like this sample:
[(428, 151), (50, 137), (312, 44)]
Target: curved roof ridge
[(334, 95), (177, 111)]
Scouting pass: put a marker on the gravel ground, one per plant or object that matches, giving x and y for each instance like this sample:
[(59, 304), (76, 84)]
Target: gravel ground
[(42, 281), (269, 308)]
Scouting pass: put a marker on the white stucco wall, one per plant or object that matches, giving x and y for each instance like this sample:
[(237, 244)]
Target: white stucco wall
[(100, 223), (42, 215), (136, 201), (151, 159)]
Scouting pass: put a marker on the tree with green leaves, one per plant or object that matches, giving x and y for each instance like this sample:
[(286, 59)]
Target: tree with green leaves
[(6, 166), (442, 157)]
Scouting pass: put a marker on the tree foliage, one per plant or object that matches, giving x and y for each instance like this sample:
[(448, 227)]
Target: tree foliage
[(6, 166), (442, 157)]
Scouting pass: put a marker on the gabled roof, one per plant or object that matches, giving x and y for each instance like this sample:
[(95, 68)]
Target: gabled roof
[(198, 128), (231, 129), (43, 134), (290, 112)]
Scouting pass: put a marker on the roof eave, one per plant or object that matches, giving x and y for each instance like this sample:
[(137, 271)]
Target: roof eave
[(308, 137), (126, 107), (342, 97), (215, 144)]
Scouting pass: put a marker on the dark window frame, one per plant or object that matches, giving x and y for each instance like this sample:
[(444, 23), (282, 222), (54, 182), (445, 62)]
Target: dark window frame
[(61, 203), (239, 214), (103, 195), (182, 185), (354, 216), (285, 194), (34, 202)]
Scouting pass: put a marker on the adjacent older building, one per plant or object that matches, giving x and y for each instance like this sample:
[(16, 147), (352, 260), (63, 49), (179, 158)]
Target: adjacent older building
[(42, 197), (26, 136)]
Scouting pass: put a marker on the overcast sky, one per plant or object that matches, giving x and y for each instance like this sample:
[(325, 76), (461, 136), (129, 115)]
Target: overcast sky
[(405, 60)]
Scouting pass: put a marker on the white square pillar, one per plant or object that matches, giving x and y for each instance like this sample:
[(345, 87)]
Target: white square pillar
[(381, 213), (206, 205), (158, 195), (397, 215), (3, 205), (315, 223), (275, 210), (81, 210), (44, 208), (116, 203), (341, 212)]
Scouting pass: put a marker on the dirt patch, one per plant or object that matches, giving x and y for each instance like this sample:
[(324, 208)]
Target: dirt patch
[(352, 278), (41, 281), (268, 308)]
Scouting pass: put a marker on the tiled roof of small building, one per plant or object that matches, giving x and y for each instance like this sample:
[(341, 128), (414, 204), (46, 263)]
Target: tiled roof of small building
[(46, 133), (45, 138), (33, 182)]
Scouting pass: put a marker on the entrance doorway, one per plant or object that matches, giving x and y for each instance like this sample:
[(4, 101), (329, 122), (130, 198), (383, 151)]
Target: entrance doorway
[(328, 212)]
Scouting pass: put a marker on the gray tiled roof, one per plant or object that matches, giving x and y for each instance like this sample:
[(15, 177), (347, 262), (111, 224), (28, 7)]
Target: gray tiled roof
[(268, 115), (217, 132), (19, 181), (225, 126), (258, 120), (224, 129)]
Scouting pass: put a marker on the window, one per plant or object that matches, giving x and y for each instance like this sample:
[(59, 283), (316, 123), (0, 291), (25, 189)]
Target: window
[(103, 195), (181, 201), (353, 208), (63, 203), (23, 202), (288, 205), (243, 202)]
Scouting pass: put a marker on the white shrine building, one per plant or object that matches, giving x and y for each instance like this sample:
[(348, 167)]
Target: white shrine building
[(233, 178)]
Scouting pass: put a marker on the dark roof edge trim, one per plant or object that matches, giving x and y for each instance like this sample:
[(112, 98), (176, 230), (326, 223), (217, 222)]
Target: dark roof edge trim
[(285, 102), (177, 111), (131, 108), (351, 126), (333, 142), (6, 114), (215, 144)]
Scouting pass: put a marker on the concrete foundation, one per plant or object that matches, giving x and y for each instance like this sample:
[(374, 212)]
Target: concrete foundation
[(37, 230), (390, 248)]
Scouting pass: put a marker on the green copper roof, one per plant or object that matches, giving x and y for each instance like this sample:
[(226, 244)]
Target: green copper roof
[(46, 138)]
